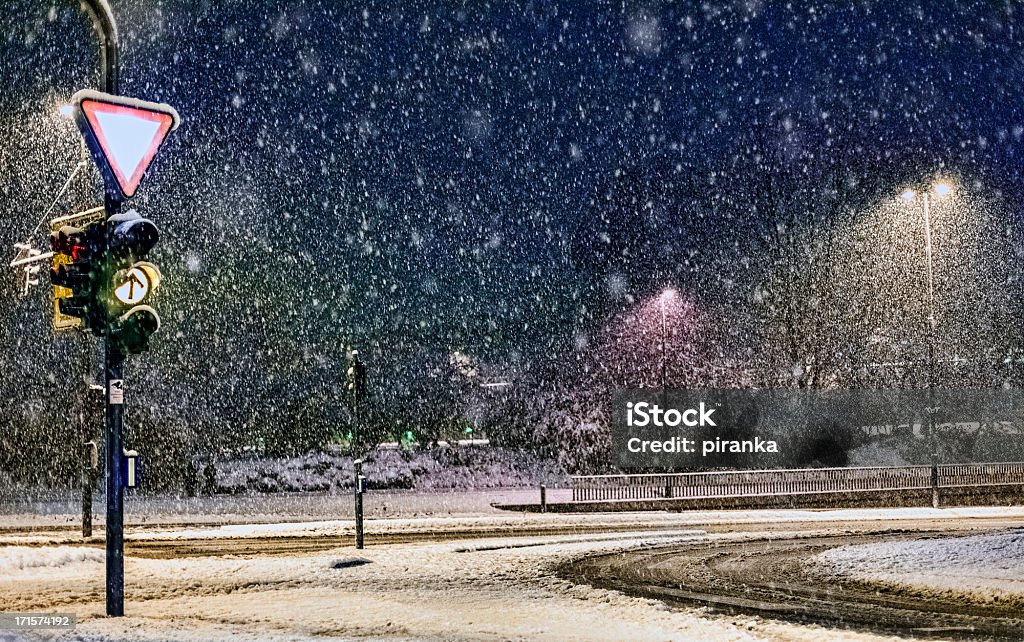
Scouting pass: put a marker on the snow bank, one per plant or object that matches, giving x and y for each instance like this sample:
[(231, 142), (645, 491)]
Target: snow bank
[(19, 558), (300, 515), (512, 522), (438, 468), (982, 567)]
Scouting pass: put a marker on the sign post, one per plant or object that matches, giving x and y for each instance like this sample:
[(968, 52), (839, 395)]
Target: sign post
[(106, 27), (123, 135), (131, 469)]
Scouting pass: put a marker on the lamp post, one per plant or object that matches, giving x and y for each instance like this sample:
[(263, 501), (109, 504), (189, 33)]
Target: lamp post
[(666, 296), (940, 189)]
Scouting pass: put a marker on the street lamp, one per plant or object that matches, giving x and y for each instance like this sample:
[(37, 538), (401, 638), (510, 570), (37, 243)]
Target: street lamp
[(666, 295), (940, 189)]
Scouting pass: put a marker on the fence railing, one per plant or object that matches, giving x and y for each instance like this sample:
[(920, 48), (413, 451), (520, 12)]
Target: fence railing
[(743, 483)]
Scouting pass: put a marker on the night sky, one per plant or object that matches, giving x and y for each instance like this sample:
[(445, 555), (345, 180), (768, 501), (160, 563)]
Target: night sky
[(498, 179)]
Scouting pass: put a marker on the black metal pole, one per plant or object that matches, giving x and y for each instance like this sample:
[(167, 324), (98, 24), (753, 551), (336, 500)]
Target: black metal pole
[(106, 28), (933, 441), (359, 502), (663, 355), (88, 482), (115, 491)]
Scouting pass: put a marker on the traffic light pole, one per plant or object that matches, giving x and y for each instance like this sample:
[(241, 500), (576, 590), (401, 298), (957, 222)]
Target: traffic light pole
[(106, 28), (114, 422), (115, 491)]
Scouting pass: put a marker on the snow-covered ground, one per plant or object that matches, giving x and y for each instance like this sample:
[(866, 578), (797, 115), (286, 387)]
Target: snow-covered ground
[(406, 592), (162, 526), (439, 470), (494, 587), (276, 507), (512, 521), (979, 567)]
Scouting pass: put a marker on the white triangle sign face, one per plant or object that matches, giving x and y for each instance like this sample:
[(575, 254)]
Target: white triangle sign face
[(124, 134)]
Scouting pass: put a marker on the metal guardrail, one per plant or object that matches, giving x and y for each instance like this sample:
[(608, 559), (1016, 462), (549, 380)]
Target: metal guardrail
[(745, 483)]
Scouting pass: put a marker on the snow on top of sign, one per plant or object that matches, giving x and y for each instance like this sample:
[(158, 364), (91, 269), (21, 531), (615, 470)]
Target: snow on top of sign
[(134, 103)]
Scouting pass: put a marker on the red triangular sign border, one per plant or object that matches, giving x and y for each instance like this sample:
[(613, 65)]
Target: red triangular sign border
[(127, 183), (86, 103)]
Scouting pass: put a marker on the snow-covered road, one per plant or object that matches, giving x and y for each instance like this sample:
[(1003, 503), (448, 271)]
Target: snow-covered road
[(487, 588), (981, 567), (421, 592)]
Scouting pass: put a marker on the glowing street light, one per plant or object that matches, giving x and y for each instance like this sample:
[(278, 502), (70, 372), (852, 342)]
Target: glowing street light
[(940, 189)]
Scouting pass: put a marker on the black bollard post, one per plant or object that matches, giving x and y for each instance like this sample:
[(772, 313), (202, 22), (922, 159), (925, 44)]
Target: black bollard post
[(359, 502), (90, 462)]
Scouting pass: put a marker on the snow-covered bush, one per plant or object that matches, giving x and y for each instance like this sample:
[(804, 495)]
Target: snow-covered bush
[(574, 429), (441, 467)]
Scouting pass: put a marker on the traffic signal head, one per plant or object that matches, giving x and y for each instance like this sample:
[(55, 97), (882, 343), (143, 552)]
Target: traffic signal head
[(104, 288), (78, 274), (131, 236), (80, 243)]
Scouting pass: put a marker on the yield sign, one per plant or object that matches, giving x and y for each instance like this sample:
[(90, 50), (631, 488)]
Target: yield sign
[(123, 135)]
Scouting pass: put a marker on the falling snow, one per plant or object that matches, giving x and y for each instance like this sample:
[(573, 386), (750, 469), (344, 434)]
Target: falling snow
[(486, 202)]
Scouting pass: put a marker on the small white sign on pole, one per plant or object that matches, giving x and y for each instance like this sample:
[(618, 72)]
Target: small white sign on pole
[(117, 392)]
